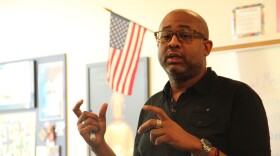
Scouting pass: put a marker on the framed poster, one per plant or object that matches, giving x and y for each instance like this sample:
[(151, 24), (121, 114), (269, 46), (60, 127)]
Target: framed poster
[(51, 99), (17, 83), (51, 88), (248, 20), (17, 133), (123, 111)]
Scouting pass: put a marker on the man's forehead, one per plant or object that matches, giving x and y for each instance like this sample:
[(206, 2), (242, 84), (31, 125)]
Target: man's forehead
[(178, 21), (182, 26)]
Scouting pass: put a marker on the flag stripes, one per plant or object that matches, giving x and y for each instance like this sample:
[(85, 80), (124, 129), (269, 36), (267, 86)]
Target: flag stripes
[(126, 40)]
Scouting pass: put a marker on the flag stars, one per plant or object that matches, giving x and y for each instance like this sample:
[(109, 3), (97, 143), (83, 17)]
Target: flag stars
[(119, 27)]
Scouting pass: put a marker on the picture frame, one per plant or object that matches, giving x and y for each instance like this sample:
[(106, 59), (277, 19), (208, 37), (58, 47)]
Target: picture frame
[(99, 92), (17, 81), (17, 133), (248, 20), (51, 87)]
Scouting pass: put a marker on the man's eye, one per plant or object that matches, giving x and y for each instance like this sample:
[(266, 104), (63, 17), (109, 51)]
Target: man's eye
[(185, 36), (166, 36)]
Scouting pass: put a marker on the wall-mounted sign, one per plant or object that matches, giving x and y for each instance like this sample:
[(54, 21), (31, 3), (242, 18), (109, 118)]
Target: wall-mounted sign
[(248, 20)]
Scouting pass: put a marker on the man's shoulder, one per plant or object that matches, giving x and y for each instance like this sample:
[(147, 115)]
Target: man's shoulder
[(219, 80), (155, 98), (231, 81), (237, 85)]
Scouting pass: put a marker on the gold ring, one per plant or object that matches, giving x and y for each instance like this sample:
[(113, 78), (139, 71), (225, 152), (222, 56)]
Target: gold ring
[(84, 123), (159, 124)]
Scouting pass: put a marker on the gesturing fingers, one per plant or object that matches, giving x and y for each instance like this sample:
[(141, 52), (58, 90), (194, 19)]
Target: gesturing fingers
[(156, 135), (102, 111), (77, 109), (89, 123), (87, 118), (153, 123), (149, 125), (158, 111)]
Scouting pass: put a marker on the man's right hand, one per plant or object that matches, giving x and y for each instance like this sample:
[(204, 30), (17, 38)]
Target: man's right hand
[(87, 122)]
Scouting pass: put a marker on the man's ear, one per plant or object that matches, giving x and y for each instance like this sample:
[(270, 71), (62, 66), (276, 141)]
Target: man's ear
[(208, 47)]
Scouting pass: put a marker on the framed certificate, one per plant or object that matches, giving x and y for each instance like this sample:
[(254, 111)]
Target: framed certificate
[(17, 83)]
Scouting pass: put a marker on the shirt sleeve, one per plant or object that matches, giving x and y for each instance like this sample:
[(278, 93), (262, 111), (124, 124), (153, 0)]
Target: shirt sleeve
[(248, 130)]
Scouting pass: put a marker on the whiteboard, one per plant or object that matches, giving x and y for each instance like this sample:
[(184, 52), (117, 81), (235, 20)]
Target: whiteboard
[(259, 68)]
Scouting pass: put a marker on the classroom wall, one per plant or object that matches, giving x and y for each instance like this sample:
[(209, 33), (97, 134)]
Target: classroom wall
[(32, 29), (80, 28), (217, 13)]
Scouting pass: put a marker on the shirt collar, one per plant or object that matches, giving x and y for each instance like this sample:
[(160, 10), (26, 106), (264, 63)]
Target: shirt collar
[(206, 82), (202, 86)]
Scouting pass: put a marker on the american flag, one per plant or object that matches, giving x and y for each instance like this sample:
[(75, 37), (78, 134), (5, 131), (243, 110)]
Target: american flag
[(126, 39)]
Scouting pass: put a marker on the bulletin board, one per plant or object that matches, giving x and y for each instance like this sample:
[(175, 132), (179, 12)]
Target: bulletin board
[(259, 68), (33, 107), (51, 105)]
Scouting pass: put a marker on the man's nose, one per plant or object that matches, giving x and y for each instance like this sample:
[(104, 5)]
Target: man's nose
[(174, 42)]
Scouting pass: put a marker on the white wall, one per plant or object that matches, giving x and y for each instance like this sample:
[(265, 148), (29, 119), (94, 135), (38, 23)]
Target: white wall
[(80, 28), (218, 14)]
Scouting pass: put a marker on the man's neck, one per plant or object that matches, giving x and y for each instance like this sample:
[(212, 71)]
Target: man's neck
[(178, 87)]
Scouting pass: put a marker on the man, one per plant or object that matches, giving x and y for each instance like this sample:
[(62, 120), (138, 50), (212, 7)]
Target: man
[(198, 112)]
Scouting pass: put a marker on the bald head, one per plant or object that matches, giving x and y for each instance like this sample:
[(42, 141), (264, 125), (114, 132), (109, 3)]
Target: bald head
[(185, 17)]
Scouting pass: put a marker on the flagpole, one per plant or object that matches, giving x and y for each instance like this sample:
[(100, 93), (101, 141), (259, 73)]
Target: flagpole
[(109, 10)]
